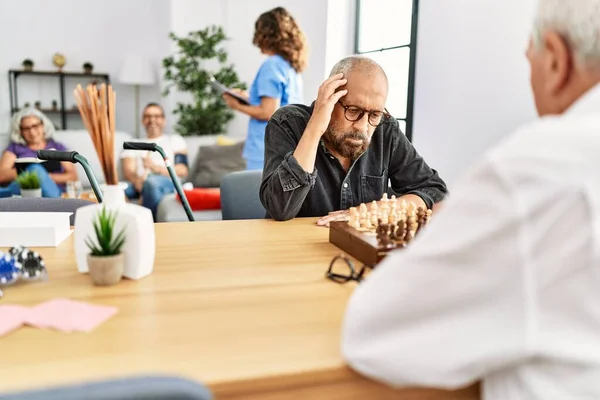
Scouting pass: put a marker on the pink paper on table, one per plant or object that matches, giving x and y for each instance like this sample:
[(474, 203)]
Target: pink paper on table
[(69, 315), (12, 317)]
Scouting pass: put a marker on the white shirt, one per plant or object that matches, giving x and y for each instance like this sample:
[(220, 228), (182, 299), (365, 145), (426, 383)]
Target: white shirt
[(504, 283), (171, 144)]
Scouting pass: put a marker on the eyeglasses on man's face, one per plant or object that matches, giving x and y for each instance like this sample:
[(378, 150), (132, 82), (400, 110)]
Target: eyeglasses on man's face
[(153, 116), (355, 113)]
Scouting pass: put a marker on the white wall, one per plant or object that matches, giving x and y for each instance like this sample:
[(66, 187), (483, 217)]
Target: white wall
[(237, 17), (341, 21), (472, 84), (102, 32)]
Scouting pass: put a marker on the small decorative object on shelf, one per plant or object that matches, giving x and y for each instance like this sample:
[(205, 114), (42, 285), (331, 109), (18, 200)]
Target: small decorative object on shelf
[(30, 184), (59, 60), (38, 104), (106, 263), (88, 68), (54, 105), (27, 65), (26, 105)]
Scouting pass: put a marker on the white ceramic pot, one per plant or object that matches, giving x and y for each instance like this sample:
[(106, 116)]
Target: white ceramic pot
[(31, 192), (140, 245), (106, 271)]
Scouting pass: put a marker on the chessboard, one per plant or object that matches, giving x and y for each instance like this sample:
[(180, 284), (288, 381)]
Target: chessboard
[(371, 231)]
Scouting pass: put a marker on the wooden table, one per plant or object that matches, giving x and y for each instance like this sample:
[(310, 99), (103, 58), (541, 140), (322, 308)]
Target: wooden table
[(242, 306)]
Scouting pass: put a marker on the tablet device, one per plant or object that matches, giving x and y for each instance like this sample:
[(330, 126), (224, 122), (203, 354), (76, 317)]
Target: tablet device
[(220, 88), (22, 163)]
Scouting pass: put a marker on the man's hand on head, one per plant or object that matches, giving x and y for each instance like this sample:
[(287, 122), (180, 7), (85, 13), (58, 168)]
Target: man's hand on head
[(327, 98)]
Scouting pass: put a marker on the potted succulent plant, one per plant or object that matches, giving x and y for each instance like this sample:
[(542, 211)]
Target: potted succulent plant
[(54, 105), (38, 104), (105, 261), (88, 68), (27, 65), (30, 184), (27, 105)]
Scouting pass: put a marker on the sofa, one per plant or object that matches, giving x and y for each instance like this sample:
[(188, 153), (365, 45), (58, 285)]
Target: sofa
[(209, 157)]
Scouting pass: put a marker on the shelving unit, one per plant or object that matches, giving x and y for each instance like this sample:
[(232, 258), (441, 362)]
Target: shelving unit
[(62, 110)]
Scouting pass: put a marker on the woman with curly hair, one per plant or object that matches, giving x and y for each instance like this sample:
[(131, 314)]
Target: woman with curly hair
[(278, 81)]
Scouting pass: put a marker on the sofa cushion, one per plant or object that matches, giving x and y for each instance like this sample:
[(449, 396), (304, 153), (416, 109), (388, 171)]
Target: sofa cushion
[(203, 198), (170, 210), (213, 162)]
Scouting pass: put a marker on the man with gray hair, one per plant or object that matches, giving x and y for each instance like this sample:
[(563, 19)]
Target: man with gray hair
[(342, 150), (503, 284)]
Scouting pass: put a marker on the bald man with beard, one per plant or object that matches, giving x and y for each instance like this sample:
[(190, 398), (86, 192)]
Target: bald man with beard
[(342, 150)]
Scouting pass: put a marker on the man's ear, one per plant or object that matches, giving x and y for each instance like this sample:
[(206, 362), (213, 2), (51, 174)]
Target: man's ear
[(557, 62)]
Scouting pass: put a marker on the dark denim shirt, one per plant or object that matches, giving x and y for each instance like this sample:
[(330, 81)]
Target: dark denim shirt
[(288, 191)]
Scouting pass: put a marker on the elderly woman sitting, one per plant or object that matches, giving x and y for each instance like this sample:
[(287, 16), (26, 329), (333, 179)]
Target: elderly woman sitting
[(31, 131)]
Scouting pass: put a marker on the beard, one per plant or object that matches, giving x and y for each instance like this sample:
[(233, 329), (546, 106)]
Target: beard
[(341, 144)]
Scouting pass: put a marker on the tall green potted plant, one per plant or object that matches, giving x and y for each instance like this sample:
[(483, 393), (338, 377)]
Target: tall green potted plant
[(106, 263), (30, 184), (200, 55)]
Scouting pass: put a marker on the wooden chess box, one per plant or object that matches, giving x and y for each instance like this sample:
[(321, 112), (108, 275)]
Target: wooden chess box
[(363, 246)]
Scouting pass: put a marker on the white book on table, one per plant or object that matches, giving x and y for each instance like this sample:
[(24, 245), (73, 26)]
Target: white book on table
[(34, 229)]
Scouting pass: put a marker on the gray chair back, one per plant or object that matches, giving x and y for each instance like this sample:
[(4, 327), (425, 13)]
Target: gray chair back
[(239, 195), (42, 204), (143, 388)]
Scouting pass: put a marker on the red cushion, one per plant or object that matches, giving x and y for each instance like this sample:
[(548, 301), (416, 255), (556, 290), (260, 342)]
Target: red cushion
[(203, 199)]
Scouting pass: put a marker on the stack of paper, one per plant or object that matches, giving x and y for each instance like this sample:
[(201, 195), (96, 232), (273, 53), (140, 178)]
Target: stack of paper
[(60, 314)]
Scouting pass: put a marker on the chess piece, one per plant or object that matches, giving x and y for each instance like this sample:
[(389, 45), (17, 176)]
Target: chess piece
[(374, 218), (394, 217), (353, 217), (401, 232), (362, 209), (403, 204), (385, 216), (373, 207), (393, 231), (363, 217), (420, 218), (367, 222), (411, 228), (421, 213), (427, 216), (383, 235)]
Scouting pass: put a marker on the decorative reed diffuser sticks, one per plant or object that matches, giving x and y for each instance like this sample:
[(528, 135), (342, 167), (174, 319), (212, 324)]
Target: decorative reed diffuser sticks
[(97, 109)]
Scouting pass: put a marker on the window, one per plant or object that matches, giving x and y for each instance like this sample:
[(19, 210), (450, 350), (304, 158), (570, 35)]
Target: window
[(386, 31)]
